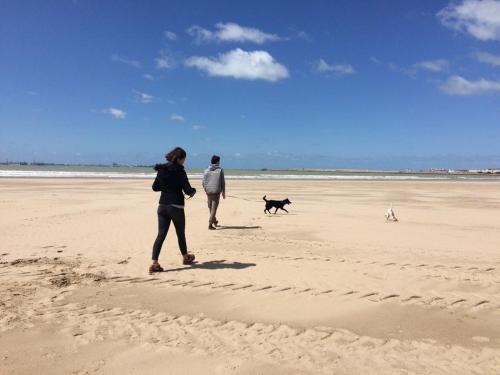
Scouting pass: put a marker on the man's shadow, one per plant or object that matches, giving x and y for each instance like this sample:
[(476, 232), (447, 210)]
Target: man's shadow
[(222, 227), (215, 265)]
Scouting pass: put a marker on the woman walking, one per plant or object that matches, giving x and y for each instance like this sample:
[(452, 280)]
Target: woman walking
[(172, 181)]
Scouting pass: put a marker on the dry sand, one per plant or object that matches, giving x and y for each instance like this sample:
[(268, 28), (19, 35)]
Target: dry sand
[(330, 288)]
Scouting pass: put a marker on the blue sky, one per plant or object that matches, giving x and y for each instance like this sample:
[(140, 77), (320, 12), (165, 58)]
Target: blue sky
[(338, 84)]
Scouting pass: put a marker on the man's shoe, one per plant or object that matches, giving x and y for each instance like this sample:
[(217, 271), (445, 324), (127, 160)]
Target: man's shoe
[(211, 227)]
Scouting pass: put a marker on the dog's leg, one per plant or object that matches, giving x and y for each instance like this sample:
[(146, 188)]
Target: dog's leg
[(276, 211), (284, 209)]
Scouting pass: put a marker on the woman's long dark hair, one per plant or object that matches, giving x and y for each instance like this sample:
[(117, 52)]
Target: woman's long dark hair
[(177, 153)]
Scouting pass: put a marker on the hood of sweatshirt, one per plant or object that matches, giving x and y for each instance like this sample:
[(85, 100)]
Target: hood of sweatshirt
[(169, 167), (213, 167)]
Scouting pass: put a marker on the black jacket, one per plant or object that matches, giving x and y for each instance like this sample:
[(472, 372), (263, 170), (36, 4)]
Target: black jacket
[(171, 180)]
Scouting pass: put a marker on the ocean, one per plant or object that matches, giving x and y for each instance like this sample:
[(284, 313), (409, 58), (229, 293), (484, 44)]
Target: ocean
[(124, 172)]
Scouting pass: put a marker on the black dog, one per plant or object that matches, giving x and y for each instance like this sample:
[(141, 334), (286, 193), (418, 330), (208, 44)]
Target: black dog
[(276, 204)]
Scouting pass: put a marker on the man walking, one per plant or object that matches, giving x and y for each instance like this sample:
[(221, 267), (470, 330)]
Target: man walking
[(214, 185)]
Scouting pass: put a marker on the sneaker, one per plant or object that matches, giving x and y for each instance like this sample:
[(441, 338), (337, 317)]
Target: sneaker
[(188, 259), (155, 268), (211, 227)]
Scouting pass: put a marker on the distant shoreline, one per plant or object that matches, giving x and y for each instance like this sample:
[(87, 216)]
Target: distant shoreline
[(435, 171), (126, 172)]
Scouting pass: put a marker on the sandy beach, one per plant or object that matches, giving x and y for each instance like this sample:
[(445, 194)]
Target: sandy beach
[(328, 288)]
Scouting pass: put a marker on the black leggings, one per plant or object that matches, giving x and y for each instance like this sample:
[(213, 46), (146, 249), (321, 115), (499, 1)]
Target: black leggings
[(167, 213)]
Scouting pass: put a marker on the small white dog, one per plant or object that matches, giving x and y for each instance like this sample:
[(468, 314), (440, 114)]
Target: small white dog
[(390, 216)]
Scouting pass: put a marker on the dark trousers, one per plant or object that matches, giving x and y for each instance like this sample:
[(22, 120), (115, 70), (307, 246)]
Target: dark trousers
[(166, 214), (213, 204)]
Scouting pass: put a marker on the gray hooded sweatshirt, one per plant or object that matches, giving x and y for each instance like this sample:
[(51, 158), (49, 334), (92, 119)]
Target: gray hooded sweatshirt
[(213, 180)]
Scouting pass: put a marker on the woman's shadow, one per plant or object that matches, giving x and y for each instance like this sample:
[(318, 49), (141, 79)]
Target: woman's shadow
[(215, 265)]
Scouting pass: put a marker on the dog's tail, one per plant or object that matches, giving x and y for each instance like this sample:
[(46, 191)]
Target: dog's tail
[(264, 197)]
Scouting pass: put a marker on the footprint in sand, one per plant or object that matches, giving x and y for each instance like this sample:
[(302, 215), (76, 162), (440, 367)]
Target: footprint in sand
[(390, 296), (458, 302), (481, 303), (369, 295), (412, 298)]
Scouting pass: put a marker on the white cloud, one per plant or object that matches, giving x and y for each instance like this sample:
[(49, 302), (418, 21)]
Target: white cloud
[(479, 18), (125, 60), (231, 32), (149, 77), (303, 35), (165, 60), (437, 65), (323, 67), (200, 34), (411, 71), (180, 119), (241, 64), (456, 85), (176, 117), (170, 35), (143, 97), (115, 112), (488, 58)]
